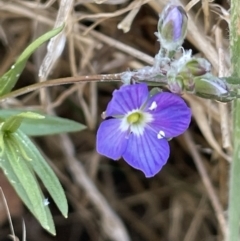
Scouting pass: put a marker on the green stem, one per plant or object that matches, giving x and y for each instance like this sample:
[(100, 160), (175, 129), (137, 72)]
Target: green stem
[(234, 193)]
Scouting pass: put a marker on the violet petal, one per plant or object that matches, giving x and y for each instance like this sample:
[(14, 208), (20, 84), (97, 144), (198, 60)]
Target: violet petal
[(126, 99), (111, 141), (147, 153), (171, 114)]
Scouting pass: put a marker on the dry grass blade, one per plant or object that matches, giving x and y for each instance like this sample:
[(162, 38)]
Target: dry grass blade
[(200, 114), (126, 23), (111, 224), (109, 200), (207, 182)]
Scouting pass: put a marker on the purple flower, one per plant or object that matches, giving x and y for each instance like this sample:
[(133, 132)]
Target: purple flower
[(138, 126)]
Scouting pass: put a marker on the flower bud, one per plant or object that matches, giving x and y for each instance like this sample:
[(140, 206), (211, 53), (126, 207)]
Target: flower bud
[(195, 67), (175, 85), (209, 85), (189, 84), (172, 27)]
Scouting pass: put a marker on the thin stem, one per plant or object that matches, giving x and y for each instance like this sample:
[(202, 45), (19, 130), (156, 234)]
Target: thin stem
[(234, 193), (63, 81)]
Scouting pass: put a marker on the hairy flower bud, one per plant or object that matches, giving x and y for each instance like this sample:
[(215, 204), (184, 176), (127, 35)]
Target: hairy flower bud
[(209, 85), (175, 84), (172, 27), (196, 67)]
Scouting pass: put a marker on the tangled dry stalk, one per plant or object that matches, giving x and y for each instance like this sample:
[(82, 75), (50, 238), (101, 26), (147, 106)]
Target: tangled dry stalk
[(109, 200)]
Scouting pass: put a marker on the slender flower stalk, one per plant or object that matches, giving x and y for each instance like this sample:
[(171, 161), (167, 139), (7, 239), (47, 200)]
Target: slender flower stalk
[(62, 81)]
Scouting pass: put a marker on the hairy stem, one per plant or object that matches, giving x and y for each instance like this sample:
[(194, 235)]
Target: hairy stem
[(234, 193), (63, 81)]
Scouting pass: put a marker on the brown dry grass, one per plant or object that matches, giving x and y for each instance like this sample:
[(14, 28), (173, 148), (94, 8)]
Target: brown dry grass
[(109, 200)]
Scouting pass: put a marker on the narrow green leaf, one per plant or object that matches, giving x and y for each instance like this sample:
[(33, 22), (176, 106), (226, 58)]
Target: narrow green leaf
[(9, 79), (44, 172), (27, 184), (15, 182), (13, 179), (50, 125)]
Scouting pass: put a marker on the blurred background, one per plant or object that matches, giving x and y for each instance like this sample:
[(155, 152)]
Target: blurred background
[(109, 200)]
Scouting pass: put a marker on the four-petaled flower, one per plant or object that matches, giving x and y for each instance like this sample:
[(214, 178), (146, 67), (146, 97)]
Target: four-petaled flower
[(138, 126)]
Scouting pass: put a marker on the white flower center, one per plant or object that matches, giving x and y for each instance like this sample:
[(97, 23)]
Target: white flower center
[(135, 121)]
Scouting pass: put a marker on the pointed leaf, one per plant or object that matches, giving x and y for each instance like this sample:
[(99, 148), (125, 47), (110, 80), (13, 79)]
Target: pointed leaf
[(13, 179), (9, 79), (15, 182), (27, 180), (44, 172), (50, 125)]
